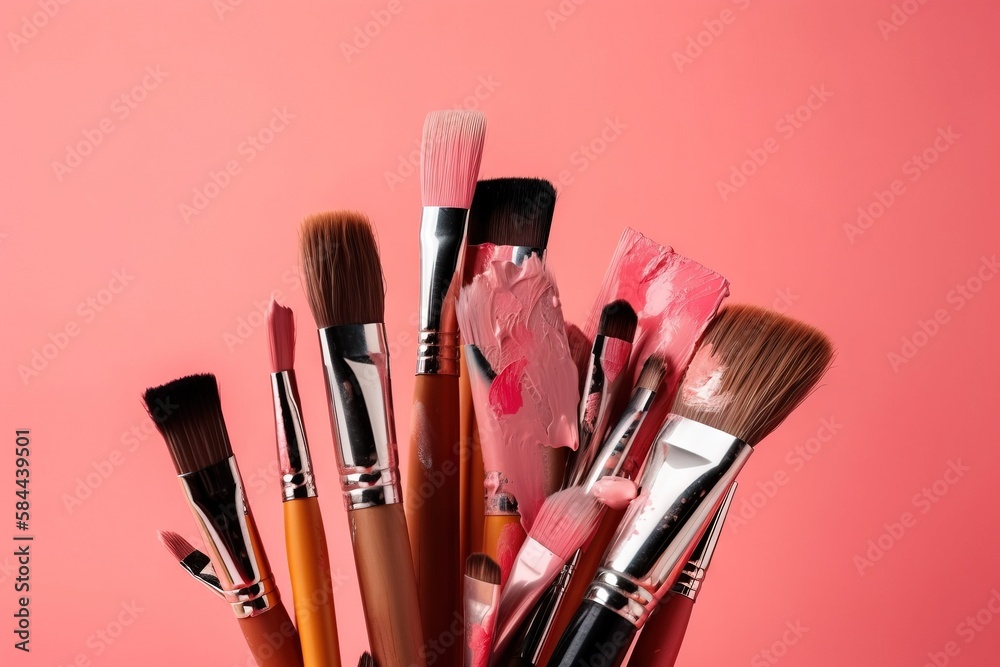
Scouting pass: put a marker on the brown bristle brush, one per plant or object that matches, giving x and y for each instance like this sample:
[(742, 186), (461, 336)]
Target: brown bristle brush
[(367, 660), (509, 221), (607, 371), (346, 294), (305, 538), (452, 148), (188, 414), (482, 598), (753, 367)]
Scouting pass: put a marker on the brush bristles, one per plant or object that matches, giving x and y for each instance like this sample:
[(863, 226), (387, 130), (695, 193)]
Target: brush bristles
[(618, 320), (366, 660), (449, 158), (482, 568), (343, 271), (513, 212), (178, 547), (752, 369), (653, 372), (281, 336), (567, 520), (188, 414)]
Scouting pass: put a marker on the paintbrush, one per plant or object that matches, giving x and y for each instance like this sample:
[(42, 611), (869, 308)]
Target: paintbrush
[(482, 597), (565, 523), (510, 220), (660, 641), (367, 660), (452, 147), (343, 277), (580, 347), (305, 538), (603, 482), (236, 567), (524, 385), (607, 370), (752, 369)]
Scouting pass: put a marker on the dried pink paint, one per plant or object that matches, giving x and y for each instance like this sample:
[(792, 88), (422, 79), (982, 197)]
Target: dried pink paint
[(615, 492), (704, 381)]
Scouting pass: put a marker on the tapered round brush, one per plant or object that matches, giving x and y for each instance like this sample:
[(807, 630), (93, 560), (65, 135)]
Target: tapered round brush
[(482, 597), (752, 369), (188, 414), (346, 294)]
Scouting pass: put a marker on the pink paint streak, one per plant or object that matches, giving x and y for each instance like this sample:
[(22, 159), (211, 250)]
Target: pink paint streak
[(514, 316), (675, 298), (615, 492), (512, 536), (616, 355), (481, 640), (704, 382)]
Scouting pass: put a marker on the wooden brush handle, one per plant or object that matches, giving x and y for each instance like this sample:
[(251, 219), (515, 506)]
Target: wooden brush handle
[(312, 586), (466, 427), (432, 505), (388, 587), (272, 638), (661, 638), (503, 536), (585, 571)]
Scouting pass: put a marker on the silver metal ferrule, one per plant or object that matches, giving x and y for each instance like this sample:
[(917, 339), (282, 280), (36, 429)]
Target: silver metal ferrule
[(482, 599), (297, 479), (442, 241), (689, 583), (610, 458), (685, 480), (356, 365), (219, 504)]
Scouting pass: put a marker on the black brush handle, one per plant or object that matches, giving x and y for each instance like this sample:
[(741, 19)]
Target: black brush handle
[(596, 637)]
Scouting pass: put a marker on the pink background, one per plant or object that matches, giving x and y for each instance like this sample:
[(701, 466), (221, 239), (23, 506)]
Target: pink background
[(885, 429)]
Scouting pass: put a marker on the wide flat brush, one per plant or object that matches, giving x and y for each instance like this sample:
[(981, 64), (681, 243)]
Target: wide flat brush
[(661, 638), (452, 148), (346, 294), (236, 567), (753, 367), (482, 597), (305, 538), (510, 220)]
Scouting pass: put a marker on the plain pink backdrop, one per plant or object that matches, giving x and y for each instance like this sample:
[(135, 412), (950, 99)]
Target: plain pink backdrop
[(669, 100)]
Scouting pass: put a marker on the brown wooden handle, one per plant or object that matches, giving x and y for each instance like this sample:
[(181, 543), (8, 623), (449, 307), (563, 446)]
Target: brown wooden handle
[(272, 638), (661, 638), (388, 586), (432, 501)]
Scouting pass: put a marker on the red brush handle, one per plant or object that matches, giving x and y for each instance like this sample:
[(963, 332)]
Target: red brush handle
[(661, 637)]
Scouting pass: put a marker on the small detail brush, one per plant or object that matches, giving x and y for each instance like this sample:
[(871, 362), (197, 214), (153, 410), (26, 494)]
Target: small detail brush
[(344, 284), (452, 148), (482, 595), (567, 520), (305, 538), (753, 367), (661, 638), (606, 372), (367, 660), (196, 436)]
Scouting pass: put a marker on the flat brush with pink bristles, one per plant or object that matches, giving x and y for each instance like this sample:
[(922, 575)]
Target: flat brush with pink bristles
[(305, 539), (565, 523)]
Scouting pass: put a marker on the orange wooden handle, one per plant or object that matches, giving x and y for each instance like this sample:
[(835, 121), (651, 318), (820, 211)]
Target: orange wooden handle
[(503, 536), (388, 587), (312, 586), (432, 504), (661, 638), (272, 638)]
